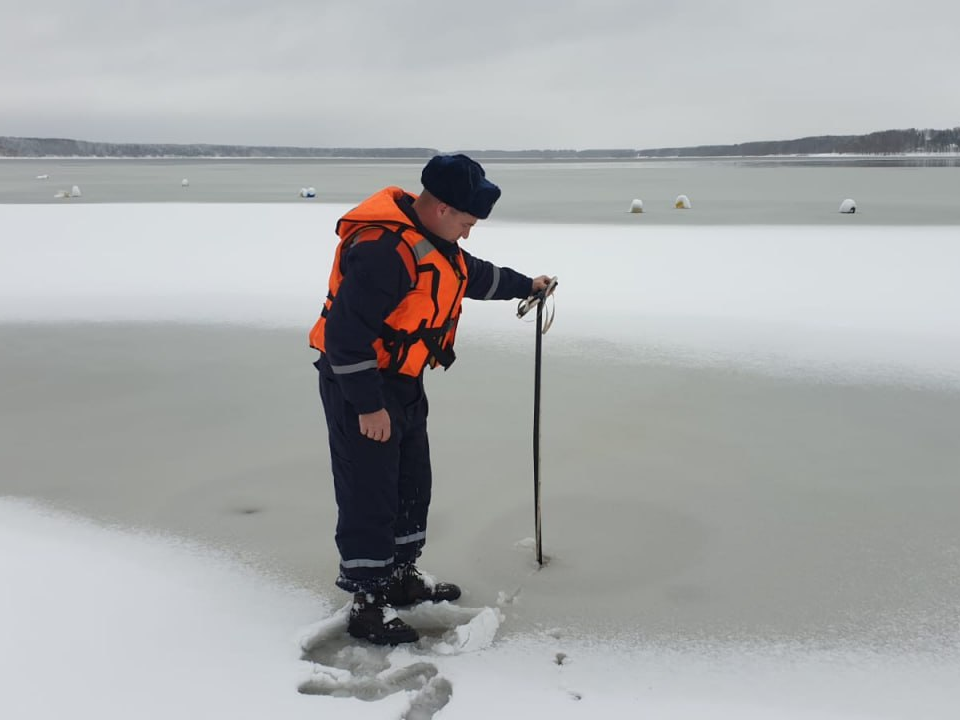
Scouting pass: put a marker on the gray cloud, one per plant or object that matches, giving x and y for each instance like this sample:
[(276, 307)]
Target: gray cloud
[(605, 73)]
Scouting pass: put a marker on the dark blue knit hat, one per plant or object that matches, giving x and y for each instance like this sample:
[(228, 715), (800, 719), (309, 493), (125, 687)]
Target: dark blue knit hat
[(461, 183)]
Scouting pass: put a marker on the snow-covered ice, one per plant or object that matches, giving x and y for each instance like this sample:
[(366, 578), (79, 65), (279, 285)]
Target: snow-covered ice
[(115, 622), (864, 302), (100, 622)]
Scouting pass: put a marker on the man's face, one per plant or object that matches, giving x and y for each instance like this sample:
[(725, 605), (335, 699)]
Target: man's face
[(454, 224)]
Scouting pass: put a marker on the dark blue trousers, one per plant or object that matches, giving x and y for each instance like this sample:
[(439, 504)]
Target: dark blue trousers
[(382, 489)]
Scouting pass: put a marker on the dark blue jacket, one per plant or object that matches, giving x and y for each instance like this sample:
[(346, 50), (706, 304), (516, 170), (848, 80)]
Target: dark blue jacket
[(375, 281)]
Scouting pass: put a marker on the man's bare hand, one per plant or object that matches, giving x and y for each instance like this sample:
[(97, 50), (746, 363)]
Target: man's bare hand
[(376, 425), (540, 283)]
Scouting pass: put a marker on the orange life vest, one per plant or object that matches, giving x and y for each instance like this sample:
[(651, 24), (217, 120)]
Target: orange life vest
[(421, 329)]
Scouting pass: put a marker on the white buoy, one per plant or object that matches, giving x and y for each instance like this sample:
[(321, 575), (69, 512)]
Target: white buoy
[(75, 192), (184, 183), (848, 207), (682, 202), (308, 192), (636, 206)]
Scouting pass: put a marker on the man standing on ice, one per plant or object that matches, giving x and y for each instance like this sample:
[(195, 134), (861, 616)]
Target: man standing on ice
[(398, 279)]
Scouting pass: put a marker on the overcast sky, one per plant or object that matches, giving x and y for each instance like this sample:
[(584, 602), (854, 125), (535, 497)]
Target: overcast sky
[(452, 75)]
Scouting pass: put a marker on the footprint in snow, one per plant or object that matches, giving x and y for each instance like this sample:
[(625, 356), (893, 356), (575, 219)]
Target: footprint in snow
[(345, 667)]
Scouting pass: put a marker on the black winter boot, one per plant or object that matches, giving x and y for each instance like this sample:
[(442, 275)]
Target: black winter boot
[(408, 586), (372, 618)]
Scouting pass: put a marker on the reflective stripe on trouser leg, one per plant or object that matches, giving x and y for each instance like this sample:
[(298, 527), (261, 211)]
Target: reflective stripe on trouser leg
[(382, 489)]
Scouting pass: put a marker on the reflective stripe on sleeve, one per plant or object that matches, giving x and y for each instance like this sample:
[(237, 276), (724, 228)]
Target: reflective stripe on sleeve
[(495, 284), (355, 368)]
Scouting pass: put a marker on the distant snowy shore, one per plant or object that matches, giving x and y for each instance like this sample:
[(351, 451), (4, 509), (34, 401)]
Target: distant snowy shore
[(827, 156)]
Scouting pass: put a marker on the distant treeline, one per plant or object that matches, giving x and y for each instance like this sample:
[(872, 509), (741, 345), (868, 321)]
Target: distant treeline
[(58, 147), (885, 142)]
